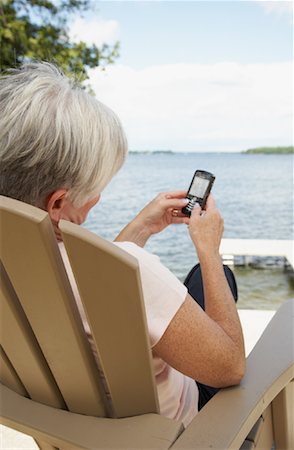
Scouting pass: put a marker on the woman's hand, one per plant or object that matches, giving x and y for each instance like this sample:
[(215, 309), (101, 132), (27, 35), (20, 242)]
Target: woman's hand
[(164, 210), (206, 228)]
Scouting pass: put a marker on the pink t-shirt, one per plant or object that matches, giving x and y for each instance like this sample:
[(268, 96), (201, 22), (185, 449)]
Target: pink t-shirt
[(163, 296)]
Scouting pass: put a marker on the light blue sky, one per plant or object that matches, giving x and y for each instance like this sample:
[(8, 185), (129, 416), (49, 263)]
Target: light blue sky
[(196, 76), (166, 32)]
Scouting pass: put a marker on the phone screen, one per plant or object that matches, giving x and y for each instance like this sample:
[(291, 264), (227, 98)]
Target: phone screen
[(199, 187)]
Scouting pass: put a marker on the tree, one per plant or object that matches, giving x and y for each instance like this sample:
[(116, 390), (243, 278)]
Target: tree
[(38, 29)]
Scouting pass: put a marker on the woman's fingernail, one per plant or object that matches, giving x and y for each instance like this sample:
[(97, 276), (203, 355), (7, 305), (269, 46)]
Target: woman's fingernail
[(185, 201)]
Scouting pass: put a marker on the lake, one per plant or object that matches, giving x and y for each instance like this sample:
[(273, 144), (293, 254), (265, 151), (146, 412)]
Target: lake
[(253, 192)]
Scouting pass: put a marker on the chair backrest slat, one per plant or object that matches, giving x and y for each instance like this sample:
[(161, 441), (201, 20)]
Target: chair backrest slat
[(8, 375), (22, 350), (109, 283), (33, 263)]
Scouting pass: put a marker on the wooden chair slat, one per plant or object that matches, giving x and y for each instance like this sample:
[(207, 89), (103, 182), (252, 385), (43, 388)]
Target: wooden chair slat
[(283, 416), (110, 289), (22, 350), (33, 263), (9, 377)]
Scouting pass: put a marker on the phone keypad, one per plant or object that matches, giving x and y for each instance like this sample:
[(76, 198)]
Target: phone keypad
[(192, 203)]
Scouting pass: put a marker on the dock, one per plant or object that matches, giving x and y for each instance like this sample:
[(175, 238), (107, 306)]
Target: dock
[(257, 247)]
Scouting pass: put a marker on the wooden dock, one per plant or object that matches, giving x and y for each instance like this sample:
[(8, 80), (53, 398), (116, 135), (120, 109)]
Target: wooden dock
[(258, 247)]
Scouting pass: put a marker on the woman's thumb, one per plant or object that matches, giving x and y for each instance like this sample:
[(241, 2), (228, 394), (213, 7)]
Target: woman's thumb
[(196, 211)]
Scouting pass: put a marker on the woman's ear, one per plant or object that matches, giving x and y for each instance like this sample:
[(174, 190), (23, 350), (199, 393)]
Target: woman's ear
[(55, 204)]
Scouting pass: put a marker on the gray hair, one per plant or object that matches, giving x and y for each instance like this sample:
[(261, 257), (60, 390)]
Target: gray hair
[(55, 135)]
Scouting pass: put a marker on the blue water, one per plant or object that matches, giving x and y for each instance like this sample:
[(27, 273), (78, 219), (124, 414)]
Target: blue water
[(253, 192)]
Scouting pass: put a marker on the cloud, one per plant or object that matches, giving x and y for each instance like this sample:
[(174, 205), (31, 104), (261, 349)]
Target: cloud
[(224, 106), (94, 31), (278, 7)]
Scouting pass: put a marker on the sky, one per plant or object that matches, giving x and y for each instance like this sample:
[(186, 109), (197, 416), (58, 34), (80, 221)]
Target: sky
[(202, 76)]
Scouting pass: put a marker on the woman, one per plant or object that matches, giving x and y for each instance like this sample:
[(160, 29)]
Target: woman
[(59, 149)]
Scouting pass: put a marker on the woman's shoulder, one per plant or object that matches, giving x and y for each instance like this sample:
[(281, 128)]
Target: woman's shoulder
[(152, 270)]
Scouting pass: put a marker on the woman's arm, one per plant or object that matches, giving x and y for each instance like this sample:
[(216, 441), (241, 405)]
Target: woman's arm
[(201, 348), (156, 216), (207, 346)]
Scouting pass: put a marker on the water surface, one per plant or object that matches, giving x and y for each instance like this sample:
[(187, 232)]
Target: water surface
[(253, 192)]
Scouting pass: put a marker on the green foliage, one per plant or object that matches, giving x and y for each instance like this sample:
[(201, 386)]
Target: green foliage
[(38, 30), (270, 150)]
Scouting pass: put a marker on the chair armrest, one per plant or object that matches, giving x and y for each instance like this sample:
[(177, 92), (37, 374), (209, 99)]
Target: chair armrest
[(229, 416), (66, 430)]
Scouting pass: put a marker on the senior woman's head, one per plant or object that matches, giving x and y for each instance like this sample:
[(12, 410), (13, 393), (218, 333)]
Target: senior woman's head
[(57, 142)]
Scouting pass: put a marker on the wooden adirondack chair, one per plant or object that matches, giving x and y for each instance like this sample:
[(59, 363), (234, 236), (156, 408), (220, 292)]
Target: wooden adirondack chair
[(50, 383)]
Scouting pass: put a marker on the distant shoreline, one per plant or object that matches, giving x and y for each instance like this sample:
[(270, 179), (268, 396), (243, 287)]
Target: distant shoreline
[(270, 150), (252, 151)]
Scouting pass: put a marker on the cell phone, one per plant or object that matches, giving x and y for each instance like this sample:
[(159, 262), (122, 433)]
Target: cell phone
[(199, 190)]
